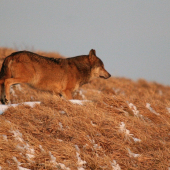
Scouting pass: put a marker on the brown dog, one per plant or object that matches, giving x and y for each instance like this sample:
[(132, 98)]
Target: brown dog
[(61, 76)]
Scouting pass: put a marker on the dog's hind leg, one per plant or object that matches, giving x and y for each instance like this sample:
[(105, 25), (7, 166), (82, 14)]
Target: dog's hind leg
[(8, 82)]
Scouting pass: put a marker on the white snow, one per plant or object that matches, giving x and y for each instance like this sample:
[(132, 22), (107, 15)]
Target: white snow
[(93, 124), (23, 146), (134, 109), (77, 148), (115, 166), (81, 94), (63, 166), (168, 108), (18, 87), (42, 150), (12, 92), (5, 137), (31, 104), (148, 106), (29, 151), (136, 139), (131, 154), (62, 112), (79, 102), (123, 129), (60, 140), (116, 90), (80, 162), (5, 107), (53, 161), (17, 135), (160, 92), (95, 146), (60, 126), (18, 164)]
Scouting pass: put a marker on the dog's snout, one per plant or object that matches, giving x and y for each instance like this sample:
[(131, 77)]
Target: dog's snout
[(109, 75)]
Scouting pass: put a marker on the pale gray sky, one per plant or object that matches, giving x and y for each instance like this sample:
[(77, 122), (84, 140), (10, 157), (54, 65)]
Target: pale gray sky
[(131, 37)]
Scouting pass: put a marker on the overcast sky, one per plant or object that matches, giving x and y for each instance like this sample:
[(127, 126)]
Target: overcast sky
[(131, 37)]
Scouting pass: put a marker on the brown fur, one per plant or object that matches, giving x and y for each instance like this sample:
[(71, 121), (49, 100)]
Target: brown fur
[(61, 76)]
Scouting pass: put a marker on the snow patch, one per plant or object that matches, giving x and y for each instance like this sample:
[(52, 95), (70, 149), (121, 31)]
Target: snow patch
[(80, 162), (23, 146), (80, 92), (79, 102), (53, 159), (42, 150), (17, 135), (29, 151), (148, 106), (115, 166), (60, 126), (116, 90), (60, 140), (18, 87), (77, 148), (93, 124), (12, 91), (62, 112), (134, 109), (136, 139), (3, 108), (95, 146), (60, 165), (63, 166), (123, 129), (168, 108), (18, 164), (131, 154), (5, 137)]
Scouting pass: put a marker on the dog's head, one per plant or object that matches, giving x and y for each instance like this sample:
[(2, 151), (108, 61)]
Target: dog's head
[(97, 66)]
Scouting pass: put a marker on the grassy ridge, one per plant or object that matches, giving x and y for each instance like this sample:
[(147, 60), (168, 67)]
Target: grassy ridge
[(122, 124)]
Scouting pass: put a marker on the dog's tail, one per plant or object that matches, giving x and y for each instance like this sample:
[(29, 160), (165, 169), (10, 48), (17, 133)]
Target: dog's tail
[(2, 79), (4, 74)]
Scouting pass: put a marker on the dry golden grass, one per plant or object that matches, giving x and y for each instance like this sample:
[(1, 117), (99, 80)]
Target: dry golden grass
[(58, 129)]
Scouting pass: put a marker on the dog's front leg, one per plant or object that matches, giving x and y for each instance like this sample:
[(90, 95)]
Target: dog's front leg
[(67, 94)]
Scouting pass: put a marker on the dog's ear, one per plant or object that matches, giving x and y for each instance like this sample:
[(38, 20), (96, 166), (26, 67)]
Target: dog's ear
[(92, 55), (92, 52)]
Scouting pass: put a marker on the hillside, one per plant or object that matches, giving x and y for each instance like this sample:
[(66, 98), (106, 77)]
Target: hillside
[(113, 124)]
